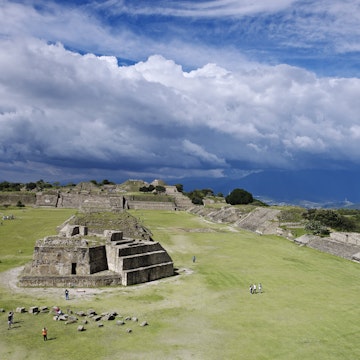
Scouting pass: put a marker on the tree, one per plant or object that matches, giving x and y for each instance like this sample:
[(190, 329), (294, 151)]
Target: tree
[(107, 182), (331, 218), (160, 189), (239, 196), (197, 195), (20, 204), (317, 228), (30, 186), (179, 187)]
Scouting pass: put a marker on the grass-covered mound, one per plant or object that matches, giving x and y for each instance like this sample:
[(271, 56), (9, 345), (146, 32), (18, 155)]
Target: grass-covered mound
[(308, 309), (97, 222)]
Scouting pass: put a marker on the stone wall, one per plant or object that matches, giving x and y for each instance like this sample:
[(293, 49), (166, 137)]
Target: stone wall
[(143, 260), (71, 281), (64, 257), (97, 259), (94, 201), (150, 205), (12, 198), (138, 276), (47, 199), (346, 238)]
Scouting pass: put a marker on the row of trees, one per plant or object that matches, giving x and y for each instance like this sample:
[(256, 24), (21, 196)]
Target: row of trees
[(41, 185), (236, 197)]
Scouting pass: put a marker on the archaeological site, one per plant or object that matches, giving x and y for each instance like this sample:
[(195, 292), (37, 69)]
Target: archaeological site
[(77, 258)]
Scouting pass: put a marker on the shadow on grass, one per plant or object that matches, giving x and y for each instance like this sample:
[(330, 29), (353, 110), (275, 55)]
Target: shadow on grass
[(50, 339)]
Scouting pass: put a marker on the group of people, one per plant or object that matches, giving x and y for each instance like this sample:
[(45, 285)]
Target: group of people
[(254, 289)]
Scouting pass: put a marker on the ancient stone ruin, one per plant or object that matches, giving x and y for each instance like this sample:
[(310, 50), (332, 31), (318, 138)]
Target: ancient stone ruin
[(76, 258)]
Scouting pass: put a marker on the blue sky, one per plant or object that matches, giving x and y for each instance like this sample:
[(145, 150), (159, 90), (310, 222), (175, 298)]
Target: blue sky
[(167, 89)]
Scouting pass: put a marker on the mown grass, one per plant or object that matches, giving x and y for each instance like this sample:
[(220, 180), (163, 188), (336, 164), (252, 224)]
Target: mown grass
[(18, 236), (308, 309)]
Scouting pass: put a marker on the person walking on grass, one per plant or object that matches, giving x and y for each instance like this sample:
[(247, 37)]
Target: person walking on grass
[(44, 333), (10, 319), (66, 294)]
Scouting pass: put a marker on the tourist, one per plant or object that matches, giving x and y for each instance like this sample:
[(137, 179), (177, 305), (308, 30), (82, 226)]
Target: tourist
[(66, 294), (260, 288), (10, 319), (251, 289), (44, 333), (194, 258), (254, 289)]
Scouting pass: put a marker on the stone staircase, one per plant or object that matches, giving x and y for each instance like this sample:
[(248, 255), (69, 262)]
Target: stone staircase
[(140, 261), (262, 220), (182, 202), (346, 251)]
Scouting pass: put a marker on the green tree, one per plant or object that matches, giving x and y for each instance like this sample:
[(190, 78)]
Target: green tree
[(30, 186), (331, 218), (179, 187), (20, 204), (317, 228), (239, 196), (160, 188)]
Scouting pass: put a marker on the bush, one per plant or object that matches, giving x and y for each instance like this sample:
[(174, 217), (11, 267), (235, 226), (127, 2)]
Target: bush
[(239, 196), (317, 228), (20, 204), (331, 218)]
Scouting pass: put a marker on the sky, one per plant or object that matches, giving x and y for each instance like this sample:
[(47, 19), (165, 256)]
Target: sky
[(155, 89)]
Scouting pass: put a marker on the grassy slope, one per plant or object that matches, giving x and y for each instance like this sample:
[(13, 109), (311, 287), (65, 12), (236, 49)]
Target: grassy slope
[(308, 308)]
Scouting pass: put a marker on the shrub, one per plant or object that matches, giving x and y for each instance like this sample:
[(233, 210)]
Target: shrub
[(239, 196)]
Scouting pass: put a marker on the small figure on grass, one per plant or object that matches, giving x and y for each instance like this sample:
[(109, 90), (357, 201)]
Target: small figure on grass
[(44, 333), (66, 294), (260, 288), (194, 258), (10, 319)]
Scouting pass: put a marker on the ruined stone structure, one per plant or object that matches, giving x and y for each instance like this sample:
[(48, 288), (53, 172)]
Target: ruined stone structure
[(74, 258), (93, 199)]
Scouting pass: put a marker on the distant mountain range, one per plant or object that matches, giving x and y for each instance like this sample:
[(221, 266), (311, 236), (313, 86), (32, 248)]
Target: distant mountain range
[(307, 188)]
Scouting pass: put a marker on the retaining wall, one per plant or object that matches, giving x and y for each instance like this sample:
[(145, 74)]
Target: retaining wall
[(71, 281)]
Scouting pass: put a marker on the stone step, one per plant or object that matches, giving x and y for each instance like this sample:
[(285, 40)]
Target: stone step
[(147, 273), (139, 248), (137, 261)]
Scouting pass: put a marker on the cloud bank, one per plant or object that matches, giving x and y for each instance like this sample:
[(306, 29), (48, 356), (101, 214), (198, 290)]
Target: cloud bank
[(63, 110), (119, 89)]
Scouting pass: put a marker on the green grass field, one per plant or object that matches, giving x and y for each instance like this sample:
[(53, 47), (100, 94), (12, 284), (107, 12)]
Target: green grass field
[(308, 309)]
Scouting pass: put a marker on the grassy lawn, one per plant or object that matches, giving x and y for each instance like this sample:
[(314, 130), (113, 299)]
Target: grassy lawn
[(308, 308), (18, 236)]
